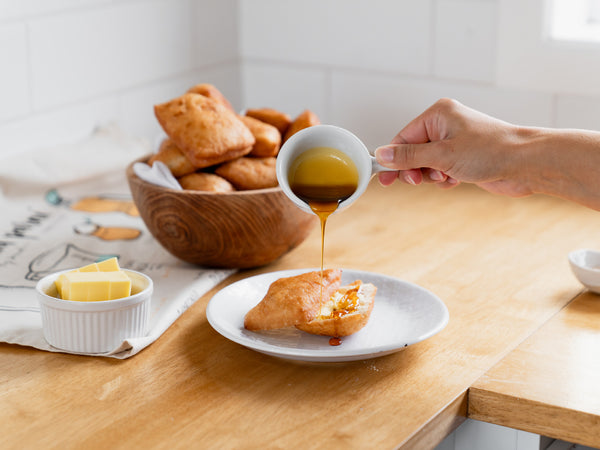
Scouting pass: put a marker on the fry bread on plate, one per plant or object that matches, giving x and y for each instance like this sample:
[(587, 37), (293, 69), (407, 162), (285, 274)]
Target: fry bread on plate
[(345, 312), (292, 300)]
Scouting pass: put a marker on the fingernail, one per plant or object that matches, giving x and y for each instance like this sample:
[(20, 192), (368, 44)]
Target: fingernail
[(410, 179), (385, 154), (436, 175)]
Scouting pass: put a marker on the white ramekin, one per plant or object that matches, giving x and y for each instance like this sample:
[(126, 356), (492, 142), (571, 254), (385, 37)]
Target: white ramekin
[(94, 327)]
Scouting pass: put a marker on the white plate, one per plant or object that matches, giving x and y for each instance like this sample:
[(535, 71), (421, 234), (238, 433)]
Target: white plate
[(403, 314)]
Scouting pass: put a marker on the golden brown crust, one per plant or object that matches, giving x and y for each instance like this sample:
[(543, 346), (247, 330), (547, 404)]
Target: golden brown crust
[(207, 132), (249, 173), (292, 300), (173, 158), (268, 139), (278, 119), (203, 181), (344, 322), (208, 90), (305, 119)]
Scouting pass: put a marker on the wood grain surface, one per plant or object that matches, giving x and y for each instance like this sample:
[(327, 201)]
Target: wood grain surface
[(499, 264), (550, 384), (241, 229)]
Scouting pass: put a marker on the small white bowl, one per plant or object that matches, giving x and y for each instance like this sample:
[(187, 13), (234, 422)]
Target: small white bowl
[(585, 264), (94, 327)]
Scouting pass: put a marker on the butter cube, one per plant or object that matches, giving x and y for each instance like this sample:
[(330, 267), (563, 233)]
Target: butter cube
[(93, 267), (108, 265), (95, 286), (59, 284)]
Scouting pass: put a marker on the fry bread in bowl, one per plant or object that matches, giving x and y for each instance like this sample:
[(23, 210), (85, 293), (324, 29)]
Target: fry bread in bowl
[(345, 312), (207, 132), (210, 91), (173, 158), (204, 181), (278, 119), (305, 119), (292, 301), (250, 173), (268, 139)]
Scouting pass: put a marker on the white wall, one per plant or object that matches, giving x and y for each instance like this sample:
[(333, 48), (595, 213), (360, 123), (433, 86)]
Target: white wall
[(368, 65), (372, 66), (69, 65)]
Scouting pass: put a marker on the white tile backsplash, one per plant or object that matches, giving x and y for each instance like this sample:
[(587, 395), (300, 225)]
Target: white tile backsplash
[(80, 55), (465, 40), (378, 34), (577, 111), (215, 32), (14, 74), (376, 107), (288, 88), (136, 106), (47, 129), (369, 66), (10, 9)]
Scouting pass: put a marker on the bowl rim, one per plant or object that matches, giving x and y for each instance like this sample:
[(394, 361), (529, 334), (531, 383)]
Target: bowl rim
[(576, 259), (144, 159), (102, 305)]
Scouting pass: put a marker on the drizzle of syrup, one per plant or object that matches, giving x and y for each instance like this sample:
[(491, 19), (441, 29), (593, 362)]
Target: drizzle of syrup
[(335, 341), (323, 177), (347, 304)]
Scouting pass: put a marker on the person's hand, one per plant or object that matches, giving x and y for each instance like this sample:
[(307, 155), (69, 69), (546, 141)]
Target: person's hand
[(450, 143)]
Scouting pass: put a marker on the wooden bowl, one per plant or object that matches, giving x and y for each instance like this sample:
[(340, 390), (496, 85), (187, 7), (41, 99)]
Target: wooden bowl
[(241, 229)]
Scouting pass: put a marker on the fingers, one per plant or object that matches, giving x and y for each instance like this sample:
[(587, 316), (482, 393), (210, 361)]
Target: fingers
[(413, 176), (422, 152), (433, 176), (387, 178), (449, 183), (415, 132), (434, 155), (418, 176), (430, 125)]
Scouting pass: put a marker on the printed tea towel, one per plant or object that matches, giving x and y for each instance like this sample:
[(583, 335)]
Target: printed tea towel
[(70, 206)]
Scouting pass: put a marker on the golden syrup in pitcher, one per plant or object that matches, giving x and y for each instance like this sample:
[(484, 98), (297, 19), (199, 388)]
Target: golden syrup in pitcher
[(323, 177)]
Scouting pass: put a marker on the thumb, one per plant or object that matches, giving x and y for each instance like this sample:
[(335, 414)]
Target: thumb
[(413, 156)]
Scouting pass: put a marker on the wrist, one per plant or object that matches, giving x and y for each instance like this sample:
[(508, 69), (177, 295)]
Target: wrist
[(536, 165), (562, 163)]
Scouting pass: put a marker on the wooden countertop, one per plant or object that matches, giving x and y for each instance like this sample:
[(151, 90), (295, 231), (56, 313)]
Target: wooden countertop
[(550, 384), (499, 264)]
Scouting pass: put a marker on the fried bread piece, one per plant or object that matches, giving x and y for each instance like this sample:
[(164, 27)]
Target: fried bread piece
[(292, 300), (268, 139), (278, 119), (173, 158), (305, 119), (249, 173), (207, 132), (208, 90), (204, 181), (345, 312)]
